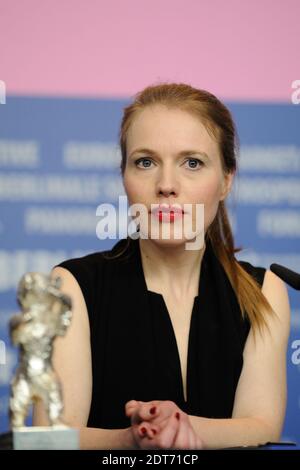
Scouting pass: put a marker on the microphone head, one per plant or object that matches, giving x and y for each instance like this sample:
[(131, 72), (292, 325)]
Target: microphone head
[(290, 277)]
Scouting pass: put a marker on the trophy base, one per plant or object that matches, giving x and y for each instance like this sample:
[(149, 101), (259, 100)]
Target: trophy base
[(45, 438)]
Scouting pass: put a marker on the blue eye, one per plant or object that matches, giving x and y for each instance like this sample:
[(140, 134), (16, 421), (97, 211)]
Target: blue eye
[(137, 162), (196, 163)]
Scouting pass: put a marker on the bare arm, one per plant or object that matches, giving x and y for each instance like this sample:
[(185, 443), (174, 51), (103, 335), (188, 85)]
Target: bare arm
[(260, 400), (72, 362)]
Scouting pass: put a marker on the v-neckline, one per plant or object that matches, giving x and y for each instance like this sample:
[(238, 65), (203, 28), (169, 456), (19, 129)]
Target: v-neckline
[(160, 297), (171, 328)]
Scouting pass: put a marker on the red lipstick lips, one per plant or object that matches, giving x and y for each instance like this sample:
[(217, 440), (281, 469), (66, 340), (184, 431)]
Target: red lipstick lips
[(167, 213)]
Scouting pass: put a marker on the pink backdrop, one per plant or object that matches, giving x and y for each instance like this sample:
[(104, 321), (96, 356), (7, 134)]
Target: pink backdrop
[(238, 49)]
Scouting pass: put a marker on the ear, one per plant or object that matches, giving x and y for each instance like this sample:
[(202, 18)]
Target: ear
[(226, 185)]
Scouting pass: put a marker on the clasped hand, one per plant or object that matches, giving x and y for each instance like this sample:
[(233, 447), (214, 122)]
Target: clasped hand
[(161, 425)]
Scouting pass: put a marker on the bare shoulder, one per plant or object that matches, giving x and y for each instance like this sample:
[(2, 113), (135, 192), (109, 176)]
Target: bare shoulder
[(274, 286), (275, 291), (71, 287), (68, 280)]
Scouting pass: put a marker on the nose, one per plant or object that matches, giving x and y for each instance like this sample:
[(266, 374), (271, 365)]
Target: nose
[(167, 183)]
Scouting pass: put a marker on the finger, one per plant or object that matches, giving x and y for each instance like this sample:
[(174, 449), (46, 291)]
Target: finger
[(166, 436), (133, 406), (143, 435), (155, 411), (164, 409), (146, 411), (130, 406), (147, 430)]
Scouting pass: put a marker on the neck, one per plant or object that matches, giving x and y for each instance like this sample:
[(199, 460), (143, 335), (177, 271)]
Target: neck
[(172, 269)]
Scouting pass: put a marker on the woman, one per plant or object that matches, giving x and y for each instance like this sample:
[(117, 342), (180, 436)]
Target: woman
[(172, 347)]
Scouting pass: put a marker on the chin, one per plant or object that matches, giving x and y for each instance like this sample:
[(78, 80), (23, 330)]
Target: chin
[(167, 243), (170, 242), (165, 235)]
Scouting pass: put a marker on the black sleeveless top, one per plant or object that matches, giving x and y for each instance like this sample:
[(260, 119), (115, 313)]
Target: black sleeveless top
[(133, 345)]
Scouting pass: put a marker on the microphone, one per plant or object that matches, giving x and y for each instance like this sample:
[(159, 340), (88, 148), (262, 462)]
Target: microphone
[(288, 276)]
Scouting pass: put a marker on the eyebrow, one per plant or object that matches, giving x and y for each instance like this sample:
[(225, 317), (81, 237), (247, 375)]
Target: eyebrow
[(183, 153)]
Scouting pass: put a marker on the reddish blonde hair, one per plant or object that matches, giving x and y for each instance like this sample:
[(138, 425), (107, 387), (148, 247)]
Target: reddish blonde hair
[(219, 123)]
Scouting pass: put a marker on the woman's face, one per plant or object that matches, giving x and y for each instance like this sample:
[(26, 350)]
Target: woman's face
[(171, 159)]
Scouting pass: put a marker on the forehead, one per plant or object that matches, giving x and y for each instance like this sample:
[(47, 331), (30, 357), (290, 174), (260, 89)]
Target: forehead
[(162, 125)]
